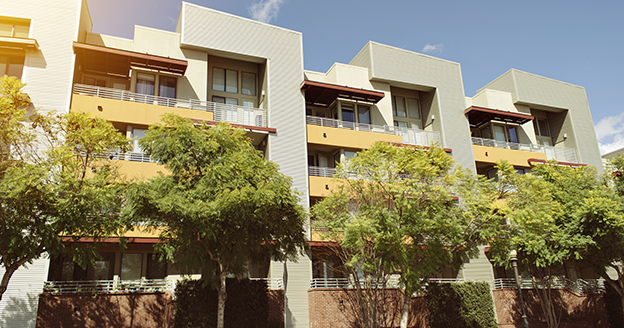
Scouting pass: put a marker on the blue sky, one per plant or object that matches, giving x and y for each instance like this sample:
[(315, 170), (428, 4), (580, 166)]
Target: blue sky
[(580, 42)]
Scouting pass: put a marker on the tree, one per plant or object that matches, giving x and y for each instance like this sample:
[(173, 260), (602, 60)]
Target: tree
[(559, 214), (406, 211), (57, 184), (221, 205)]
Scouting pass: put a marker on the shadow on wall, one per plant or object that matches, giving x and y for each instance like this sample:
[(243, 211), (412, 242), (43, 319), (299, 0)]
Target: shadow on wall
[(19, 311), (106, 310)]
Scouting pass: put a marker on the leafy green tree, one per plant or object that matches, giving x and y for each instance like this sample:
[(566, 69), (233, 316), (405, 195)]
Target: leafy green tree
[(56, 183), (221, 205), (406, 211), (559, 214)]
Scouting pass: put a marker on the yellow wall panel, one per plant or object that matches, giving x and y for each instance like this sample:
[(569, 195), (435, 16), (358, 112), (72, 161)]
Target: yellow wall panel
[(514, 157), (344, 138)]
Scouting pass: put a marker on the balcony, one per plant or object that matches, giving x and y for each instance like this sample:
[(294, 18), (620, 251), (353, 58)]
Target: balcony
[(394, 134), (392, 282), (560, 154), (129, 286), (579, 286), (325, 172), (153, 107)]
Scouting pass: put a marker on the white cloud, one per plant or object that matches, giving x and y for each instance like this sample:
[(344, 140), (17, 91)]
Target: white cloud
[(610, 133), (433, 48), (265, 10)]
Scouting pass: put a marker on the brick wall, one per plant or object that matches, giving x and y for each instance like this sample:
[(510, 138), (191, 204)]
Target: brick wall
[(577, 311), (335, 308), (136, 310), (276, 308)]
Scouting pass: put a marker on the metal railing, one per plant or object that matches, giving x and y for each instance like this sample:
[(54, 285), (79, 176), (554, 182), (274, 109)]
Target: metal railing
[(326, 172), (272, 283), (392, 282), (579, 286), (222, 112), (108, 286), (410, 136), (132, 157), (557, 153)]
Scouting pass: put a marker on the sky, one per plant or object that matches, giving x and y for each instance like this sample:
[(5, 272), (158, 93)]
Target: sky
[(579, 42)]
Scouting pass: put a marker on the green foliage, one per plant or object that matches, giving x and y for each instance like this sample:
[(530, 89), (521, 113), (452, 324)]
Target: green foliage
[(462, 305), (396, 211), (222, 204), (55, 181), (246, 305)]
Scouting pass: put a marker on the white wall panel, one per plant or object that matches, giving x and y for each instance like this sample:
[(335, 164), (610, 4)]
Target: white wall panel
[(18, 308)]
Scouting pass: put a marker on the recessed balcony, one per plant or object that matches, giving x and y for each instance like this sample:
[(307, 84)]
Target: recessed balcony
[(560, 154), (352, 137), (145, 109)]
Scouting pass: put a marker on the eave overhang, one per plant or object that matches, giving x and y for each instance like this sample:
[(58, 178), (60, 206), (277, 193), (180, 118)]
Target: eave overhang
[(113, 61), (479, 116), (324, 94), (18, 43)]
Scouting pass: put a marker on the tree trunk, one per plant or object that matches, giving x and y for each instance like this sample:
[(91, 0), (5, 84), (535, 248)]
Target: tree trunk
[(222, 297), (406, 305), (5, 279)]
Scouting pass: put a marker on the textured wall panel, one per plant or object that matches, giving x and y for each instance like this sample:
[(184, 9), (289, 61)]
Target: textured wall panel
[(217, 32), (18, 308)]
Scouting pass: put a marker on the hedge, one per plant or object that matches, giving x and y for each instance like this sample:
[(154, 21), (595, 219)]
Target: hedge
[(247, 304), (465, 305)]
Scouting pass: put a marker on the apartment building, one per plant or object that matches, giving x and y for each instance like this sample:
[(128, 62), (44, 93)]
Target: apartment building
[(251, 75)]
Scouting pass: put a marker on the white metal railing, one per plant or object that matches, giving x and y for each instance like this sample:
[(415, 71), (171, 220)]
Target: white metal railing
[(410, 136), (326, 172), (222, 112), (272, 283), (132, 157), (579, 286), (392, 282), (108, 286), (557, 153)]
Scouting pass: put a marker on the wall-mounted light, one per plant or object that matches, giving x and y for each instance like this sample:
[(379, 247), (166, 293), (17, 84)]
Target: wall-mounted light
[(432, 117), (486, 154), (565, 136), (327, 187), (324, 135), (100, 108)]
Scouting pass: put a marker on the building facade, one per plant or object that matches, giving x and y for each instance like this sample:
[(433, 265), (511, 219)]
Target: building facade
[(251, 74)]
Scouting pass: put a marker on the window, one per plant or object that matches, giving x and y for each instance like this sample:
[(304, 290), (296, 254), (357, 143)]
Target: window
[(224, 80), (95, 82), (348, 113), (248, 84), (541, 127), (131, 265), (155, 268), (12, 65), (167, 86), (364, 114), (406, 112), (225, 100), (14, 27)]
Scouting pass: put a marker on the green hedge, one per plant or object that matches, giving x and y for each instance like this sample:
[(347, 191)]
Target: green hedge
[(247, 304), (614, 307), (468, 305)]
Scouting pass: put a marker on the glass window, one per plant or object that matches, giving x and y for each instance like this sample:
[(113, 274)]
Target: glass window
[(400, 124), (499, 133), (399, 106), (364, 114), (12, 65), (413, 108), (249, 84), (231, 81), (543, 127), (167, 87), (145, 84), (14, 27), (137, 134), (218, 79), (225, 100), (513, 134), (348, 113), (131, 265), (155, 268), (247, 103)]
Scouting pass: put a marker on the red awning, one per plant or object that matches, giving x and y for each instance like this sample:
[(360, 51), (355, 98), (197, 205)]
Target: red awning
[(118, 62), (477, 116), (324, 94)]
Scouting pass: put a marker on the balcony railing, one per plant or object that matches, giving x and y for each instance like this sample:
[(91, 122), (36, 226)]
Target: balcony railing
[(108, 286), (132, 157), (579, 286), (272, 283), (410, 136), (222, 112), (557, 153), (326, 172), (392, 282)]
